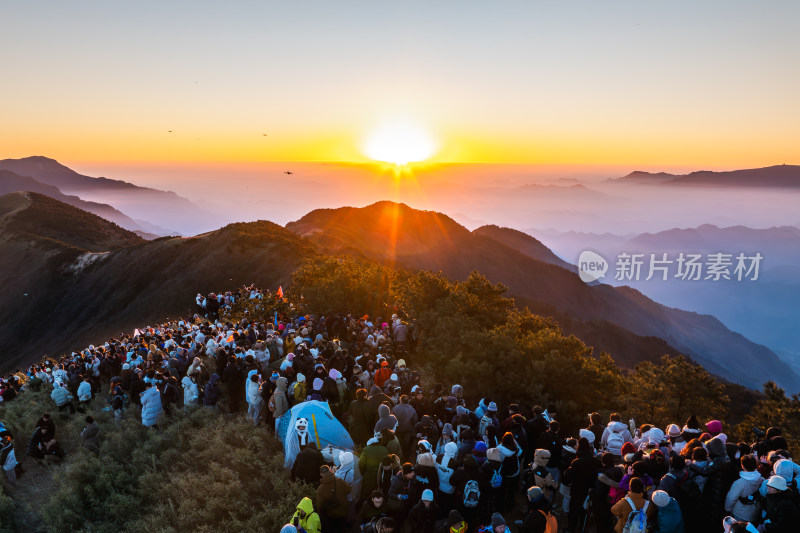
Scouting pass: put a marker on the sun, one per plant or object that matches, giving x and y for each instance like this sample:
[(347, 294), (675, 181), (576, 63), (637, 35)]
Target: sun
[(400, 142)]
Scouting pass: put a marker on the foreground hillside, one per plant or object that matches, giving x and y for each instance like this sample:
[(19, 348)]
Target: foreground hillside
[(202, 470), (74, 277)]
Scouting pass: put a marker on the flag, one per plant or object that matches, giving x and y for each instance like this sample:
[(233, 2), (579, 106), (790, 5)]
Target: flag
[(280, 292), (136, 332), (276, 318), (229, 339)]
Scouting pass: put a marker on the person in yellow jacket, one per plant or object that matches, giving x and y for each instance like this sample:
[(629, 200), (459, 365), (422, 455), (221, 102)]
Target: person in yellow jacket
[(305, 517)]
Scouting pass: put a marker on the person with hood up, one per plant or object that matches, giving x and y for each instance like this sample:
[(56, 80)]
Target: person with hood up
[(62, 398), (386, 420), (278, 402), (362, 419), (615, 436), (305, 517), (211, 392), (383, 374), (191, 394), (368, 464), (151, 406), (424, 514), (668, 518), (781, 514), (348, 473), (445, 466), (406, 421), (741, 500), (332, 500), (378, 398)]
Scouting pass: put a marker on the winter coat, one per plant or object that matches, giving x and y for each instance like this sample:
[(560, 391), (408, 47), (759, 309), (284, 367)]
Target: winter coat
[(307, 464), (60, 395), (84, 391), (669, 518), (670, 481), (445, 466), (151, 407), (622, 509), (403, 490), (334, 487), (368, 465), (781, 512), (510, 468), (614, 445), (89, 438), (362, 421), (311, 523), (423, 518), (191, 395), (386, 420), (747, 485), (581, 474), (211, 391), (350, 475), (426, 473), (406, 418), (278, 399)]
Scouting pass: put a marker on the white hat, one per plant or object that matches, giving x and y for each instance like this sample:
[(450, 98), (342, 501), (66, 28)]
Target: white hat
[(777, 482), (586, 434), (660, 498)]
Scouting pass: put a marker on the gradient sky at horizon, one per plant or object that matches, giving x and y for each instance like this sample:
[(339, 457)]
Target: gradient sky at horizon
[(620, 82)]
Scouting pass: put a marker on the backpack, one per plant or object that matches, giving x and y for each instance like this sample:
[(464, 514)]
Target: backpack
[(688, 494), (615, 441), (497, 479), (637, 518), (472, 494), (551, 525)]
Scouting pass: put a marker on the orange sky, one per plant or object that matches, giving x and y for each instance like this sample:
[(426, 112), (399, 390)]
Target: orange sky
[(523, 82)]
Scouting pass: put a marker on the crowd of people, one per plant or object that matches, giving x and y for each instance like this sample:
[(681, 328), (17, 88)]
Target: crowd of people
[(426, 459)]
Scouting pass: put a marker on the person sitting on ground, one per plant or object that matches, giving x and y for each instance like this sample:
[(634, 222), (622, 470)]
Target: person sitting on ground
[(89, 435)]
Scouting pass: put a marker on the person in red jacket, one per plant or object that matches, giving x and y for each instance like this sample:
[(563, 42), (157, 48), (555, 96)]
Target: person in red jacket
[(382, 374)]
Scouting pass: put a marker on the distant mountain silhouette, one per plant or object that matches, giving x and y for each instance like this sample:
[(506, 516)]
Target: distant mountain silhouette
[(11, 182), (395, 233), (163, 208), (70, 277), (764, 310), (787, 176)]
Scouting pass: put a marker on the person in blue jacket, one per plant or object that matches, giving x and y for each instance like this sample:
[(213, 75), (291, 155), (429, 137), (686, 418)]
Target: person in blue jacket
[(669, 518)]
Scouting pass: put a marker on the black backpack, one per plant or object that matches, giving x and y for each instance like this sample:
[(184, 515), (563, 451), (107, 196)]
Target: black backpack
[(688, 494)]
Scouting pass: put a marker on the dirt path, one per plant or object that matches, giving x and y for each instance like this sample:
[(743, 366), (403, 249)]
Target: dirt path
[(30, 492)]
